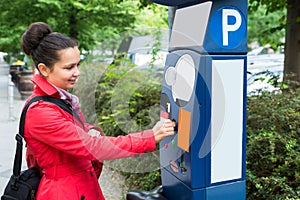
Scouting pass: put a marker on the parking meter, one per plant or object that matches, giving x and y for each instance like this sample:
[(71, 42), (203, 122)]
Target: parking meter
[(204, 93)]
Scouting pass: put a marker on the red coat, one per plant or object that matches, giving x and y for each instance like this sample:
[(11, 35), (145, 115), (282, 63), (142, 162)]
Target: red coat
[(63, 150)]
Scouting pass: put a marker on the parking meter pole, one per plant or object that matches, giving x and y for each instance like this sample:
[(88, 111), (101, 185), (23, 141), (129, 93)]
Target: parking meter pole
[(204, 92), (10, 96)]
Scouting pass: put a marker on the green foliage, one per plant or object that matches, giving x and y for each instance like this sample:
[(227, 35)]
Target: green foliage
[(84, 20), (269, 29), (273, 162), (155, 17), (126, 99), (144, 181), (271, 5), (148, 21), (291, 28), (140, 172), (85, 89)]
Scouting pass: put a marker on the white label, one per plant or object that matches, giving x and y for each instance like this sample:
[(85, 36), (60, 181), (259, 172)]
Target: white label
[(227, 119)]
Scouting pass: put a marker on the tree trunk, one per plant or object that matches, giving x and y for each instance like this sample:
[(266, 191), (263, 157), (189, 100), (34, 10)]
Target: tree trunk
[(292, 45)]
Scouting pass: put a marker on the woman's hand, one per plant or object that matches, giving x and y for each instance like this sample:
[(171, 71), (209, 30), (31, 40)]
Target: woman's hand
[(163, 129), (96, 131)]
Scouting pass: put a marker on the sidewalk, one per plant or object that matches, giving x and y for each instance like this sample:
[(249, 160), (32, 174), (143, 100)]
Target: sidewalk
[(8, 126), (111, 182)]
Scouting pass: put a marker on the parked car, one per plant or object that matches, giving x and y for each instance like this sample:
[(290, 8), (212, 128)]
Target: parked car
[(264, 70), (264, 79)]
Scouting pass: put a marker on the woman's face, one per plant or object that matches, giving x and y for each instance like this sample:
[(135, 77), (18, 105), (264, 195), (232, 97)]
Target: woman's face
[(65, 72)]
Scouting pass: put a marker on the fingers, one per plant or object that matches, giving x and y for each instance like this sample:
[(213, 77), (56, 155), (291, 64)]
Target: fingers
[(94, 132), (168, 123), (163, 129), (98, 129), (168, 127)]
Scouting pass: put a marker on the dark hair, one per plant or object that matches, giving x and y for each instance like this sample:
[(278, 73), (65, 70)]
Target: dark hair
[(42, 44)]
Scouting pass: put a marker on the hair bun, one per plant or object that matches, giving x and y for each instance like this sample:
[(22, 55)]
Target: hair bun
[(34, 35)]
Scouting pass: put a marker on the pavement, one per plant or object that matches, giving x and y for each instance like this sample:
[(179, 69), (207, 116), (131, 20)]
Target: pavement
[(112, 183)]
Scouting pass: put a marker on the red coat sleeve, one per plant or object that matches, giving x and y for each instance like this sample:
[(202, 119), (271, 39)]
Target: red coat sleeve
[(49, 124), (30, 159)]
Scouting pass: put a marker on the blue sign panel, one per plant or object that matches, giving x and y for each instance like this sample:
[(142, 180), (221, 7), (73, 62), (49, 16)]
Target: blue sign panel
[(232, 28), (222, 28)]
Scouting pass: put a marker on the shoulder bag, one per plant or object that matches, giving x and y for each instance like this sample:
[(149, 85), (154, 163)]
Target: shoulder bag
[(23, 185)]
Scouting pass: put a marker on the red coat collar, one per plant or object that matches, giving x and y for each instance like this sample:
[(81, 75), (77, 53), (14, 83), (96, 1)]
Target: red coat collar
[(43, 87)]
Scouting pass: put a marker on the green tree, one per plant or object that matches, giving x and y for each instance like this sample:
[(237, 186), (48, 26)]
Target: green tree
[(292, 35), (148, 21), (85, 20), (268, 29)]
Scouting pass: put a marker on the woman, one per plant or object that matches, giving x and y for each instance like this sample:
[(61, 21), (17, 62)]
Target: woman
[(56, 142)]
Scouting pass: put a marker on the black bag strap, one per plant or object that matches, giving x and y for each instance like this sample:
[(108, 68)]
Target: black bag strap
[(19, 137)]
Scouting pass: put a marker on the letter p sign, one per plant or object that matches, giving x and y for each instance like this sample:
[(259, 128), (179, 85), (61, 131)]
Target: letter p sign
[(227, 24), (228, 27)]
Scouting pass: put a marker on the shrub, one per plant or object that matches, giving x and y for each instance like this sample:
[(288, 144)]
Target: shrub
[(86, 87), (273, 161), (126, 100)]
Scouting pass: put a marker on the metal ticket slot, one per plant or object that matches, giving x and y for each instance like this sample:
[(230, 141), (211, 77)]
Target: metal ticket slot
[(204, 93)]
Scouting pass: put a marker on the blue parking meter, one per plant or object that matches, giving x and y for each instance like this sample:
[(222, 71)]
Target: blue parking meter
[(204, 93)]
